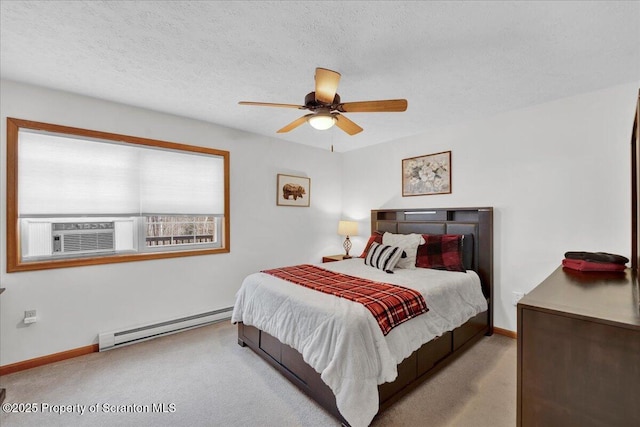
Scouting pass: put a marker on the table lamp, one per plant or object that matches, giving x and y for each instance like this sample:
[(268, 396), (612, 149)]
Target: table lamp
[(347, 228)]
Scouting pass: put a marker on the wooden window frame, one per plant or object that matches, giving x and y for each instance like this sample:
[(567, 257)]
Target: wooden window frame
[(14, 261)]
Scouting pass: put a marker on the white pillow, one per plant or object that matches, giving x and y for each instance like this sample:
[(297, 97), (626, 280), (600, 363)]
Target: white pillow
[(409, 243), (383, 257)]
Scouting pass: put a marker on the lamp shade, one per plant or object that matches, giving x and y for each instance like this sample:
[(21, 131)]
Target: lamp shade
[(347, 228)]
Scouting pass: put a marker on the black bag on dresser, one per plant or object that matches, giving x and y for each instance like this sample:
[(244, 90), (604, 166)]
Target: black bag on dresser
[(594, 261)]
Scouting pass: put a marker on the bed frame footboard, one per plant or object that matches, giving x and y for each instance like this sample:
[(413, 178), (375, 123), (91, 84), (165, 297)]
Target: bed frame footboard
[(414, 370), (291, 365)]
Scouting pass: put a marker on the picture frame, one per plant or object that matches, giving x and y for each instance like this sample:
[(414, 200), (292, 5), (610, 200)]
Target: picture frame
[(293, 191), (427, 175)]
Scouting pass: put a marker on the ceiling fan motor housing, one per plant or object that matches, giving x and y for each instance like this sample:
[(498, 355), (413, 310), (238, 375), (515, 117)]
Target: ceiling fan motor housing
[(311, 103)]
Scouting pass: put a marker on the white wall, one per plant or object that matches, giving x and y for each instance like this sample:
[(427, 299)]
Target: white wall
[(75, 304), (557, 175)]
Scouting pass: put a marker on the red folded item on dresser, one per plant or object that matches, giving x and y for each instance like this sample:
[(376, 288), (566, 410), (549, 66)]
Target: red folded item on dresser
[(582, 265)]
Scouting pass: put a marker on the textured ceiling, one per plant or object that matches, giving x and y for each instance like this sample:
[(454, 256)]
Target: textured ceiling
[(453, 61)]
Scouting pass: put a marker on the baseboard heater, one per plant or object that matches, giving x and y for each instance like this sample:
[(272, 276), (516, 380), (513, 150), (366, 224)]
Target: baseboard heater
[(115, 339)]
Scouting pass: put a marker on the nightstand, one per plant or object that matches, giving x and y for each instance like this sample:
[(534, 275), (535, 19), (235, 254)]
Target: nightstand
[(332, 258)]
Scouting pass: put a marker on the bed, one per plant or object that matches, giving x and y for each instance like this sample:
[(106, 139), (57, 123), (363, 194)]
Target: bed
[(331, 348)]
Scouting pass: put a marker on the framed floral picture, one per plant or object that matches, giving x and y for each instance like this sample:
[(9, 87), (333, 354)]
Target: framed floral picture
[(425, 175), (293, 190)]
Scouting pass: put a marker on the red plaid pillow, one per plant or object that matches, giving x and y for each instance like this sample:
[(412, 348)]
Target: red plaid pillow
[(375, 237), (441, 252)]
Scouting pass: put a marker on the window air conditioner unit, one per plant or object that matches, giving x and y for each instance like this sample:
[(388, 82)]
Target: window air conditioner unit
[(82, 237)]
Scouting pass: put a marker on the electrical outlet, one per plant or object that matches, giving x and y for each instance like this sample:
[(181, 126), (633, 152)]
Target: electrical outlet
[(516, 296), (30, 316)]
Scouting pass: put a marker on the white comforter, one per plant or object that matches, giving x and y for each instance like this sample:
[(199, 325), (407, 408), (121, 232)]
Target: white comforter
[(342, 341)]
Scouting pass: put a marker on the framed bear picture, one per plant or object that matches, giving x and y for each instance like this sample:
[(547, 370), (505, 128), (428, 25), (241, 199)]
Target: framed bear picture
[(293, 190)]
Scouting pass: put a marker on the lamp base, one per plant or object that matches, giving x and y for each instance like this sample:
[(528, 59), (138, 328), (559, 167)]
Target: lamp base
[(347, 247)]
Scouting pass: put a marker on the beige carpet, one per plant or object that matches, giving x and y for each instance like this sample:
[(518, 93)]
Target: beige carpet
[(202, 377)]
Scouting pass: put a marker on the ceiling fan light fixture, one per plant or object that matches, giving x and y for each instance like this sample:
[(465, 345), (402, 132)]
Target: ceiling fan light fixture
[(322, 121)]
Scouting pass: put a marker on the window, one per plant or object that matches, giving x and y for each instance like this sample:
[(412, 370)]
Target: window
[(181, 230), (81, 197)]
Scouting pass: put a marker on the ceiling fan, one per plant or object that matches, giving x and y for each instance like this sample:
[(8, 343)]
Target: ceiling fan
[(326, 108)]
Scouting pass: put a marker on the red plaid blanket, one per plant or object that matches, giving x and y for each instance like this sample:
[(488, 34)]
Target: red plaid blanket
[(391, 305)]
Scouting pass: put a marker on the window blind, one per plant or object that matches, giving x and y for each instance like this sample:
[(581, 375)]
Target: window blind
[(60, 175), (181, 183)]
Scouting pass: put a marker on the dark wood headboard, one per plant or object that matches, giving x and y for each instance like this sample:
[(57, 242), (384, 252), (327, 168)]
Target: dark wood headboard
[(475, 223)]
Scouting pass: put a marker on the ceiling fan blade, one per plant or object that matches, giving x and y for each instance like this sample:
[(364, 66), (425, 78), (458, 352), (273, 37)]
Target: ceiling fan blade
[(294, 124), (269, 104), (386, 106), (347, 125), (326, 85)]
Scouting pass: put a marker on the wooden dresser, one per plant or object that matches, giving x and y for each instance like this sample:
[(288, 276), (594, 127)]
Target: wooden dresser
[(579, 351), (3, 392)]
